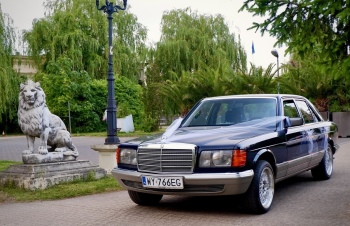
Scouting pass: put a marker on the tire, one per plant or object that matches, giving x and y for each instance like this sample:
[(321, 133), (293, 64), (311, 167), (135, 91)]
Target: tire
[(259, 197), (144, 199), (324, 170)]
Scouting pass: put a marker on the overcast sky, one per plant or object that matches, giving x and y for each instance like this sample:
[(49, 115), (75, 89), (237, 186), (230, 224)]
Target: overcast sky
[(149, 13)]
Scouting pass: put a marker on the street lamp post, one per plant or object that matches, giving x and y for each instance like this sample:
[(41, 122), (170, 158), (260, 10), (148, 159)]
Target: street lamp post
[(112, 137), (275, 54)]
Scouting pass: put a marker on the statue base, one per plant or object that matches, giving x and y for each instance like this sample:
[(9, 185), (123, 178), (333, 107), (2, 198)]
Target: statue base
[(48, 158), (42, 176)]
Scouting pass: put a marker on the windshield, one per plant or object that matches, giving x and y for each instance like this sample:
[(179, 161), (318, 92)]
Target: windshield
[(227, 112)]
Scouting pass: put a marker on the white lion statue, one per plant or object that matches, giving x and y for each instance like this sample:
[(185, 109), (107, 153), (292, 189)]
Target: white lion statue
[(36, 120)]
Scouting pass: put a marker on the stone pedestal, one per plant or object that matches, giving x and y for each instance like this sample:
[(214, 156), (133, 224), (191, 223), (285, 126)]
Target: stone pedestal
[(42, 176), (106, 156), (48, 158)]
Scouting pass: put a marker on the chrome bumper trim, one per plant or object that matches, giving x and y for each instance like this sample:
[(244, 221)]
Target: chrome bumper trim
[(233, 183)]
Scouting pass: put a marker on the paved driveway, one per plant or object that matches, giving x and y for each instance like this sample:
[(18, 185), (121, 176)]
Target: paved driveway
[(298, 201), (11, 147)]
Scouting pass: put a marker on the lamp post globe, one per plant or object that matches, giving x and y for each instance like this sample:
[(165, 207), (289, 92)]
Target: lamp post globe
[(112, 137), (275, 54)]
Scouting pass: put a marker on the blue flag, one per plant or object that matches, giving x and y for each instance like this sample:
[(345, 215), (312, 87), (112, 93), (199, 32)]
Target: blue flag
[(253, 49)]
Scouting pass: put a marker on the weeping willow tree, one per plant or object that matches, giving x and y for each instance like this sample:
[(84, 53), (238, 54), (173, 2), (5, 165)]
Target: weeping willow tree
[(190, 40), (195, 54), (77, 30), (9, 80)]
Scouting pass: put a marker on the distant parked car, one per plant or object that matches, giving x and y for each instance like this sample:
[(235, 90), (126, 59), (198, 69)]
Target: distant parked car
[(230, 145)]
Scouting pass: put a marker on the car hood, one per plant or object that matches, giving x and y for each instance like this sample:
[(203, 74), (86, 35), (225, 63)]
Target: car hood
[(205, 136)]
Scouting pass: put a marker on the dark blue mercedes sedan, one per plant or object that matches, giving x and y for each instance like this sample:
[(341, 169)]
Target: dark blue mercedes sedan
[(230, 145)]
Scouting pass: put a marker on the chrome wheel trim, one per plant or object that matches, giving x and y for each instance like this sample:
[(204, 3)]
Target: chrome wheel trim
[(266, 187), (329, 161)]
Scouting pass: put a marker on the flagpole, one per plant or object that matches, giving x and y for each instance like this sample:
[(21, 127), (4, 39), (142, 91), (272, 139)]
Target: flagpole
[(253, 51)]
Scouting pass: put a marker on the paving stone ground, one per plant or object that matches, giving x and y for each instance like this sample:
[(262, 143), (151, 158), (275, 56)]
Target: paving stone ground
[(115, 208)]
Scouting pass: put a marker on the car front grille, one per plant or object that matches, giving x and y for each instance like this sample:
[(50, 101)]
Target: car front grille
[(166, 158)]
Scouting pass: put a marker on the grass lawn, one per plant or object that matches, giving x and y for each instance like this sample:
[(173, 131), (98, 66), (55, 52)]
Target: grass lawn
[(68, 190)]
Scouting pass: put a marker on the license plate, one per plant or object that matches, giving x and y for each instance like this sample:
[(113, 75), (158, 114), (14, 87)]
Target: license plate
[(162, 182)]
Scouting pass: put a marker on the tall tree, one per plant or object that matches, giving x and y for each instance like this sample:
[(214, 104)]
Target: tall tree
[(318, 26), (9, 79), (190, 40), (195, 53), (77, 30)]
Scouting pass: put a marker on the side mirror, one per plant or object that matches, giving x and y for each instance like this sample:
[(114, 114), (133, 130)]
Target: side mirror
[(290, 122), (287, 123)]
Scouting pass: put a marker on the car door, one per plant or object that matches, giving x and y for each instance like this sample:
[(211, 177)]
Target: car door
[(315, 133), (296, 141)]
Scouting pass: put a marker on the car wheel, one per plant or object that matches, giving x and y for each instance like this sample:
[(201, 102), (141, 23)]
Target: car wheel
[(325, 169), (258, 198), (144, 199)]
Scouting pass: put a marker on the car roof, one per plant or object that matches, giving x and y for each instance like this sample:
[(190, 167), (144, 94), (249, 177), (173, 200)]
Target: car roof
[(254, 95)]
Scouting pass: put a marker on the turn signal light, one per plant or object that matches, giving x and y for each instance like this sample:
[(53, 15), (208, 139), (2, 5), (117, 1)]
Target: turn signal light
[(117, 156), (239, 158)]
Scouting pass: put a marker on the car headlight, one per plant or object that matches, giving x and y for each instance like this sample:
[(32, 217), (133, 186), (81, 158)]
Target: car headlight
[(126, 156), (222, 158)]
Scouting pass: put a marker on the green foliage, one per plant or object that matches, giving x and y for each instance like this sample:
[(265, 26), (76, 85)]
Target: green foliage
[(150, 124), (190, 62), (69, 46), (257, 80), (317, 33), (190, 41), (317, 26), (71, 28), (62, 85), (77, 30), (152, 107), (129, 100), (189, 88), (129, 45), (9, 79), (322, 85), (87, 97)]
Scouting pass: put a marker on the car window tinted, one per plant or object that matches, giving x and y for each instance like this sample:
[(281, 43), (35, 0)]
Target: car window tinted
[(225, 112), (305, 111), (200, 116), (290, 109)]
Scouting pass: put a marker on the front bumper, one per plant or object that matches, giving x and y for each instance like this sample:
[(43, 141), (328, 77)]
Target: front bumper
[(199, 184)]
